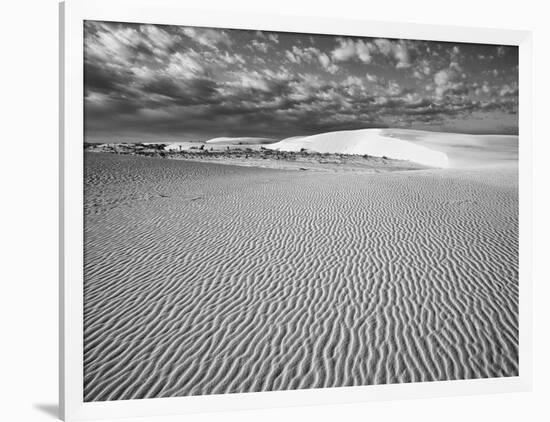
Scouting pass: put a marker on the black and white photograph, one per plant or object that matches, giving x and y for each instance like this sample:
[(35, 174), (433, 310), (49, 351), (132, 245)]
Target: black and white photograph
[(269, 211)]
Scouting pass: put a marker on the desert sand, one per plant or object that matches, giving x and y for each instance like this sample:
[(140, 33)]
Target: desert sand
[(202, 278)]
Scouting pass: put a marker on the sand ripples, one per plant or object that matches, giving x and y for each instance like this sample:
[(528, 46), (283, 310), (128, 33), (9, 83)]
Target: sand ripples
[(206, 279)]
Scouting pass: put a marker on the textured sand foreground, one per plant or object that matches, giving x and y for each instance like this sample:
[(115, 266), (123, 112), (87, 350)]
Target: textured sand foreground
[(208, 279)]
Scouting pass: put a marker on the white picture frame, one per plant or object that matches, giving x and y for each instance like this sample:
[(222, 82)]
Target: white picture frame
[(72, 15)]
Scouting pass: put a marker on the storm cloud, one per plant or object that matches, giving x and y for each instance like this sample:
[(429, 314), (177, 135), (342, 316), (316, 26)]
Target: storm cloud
[(155, 82)]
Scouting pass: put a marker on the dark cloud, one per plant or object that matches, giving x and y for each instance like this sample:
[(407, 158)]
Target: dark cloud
[(157, 82)]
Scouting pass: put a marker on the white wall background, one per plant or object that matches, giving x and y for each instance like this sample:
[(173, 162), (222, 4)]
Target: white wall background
[(28, 209)]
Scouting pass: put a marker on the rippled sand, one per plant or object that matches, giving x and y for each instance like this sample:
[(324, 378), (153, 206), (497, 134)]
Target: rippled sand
[(207, 279)]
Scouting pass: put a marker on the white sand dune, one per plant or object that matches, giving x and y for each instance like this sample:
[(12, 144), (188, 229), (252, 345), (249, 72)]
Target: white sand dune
[(433, 149), (241, 141), (364, 141), (463, 150), (209, 279)]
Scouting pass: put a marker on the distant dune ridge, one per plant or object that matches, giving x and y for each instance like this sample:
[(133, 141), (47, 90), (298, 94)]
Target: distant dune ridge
[(433, 149), (241, 141), (464, 150), (202, 278)]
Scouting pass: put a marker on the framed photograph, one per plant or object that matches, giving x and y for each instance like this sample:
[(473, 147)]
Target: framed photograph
[(263, 210)]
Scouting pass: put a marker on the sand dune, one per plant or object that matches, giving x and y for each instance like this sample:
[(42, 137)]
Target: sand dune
[(464, 150), (364, 141), (207, 279), (433, 149)]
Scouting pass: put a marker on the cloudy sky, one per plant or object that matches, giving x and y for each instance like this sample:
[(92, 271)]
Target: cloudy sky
[(160, 83)]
